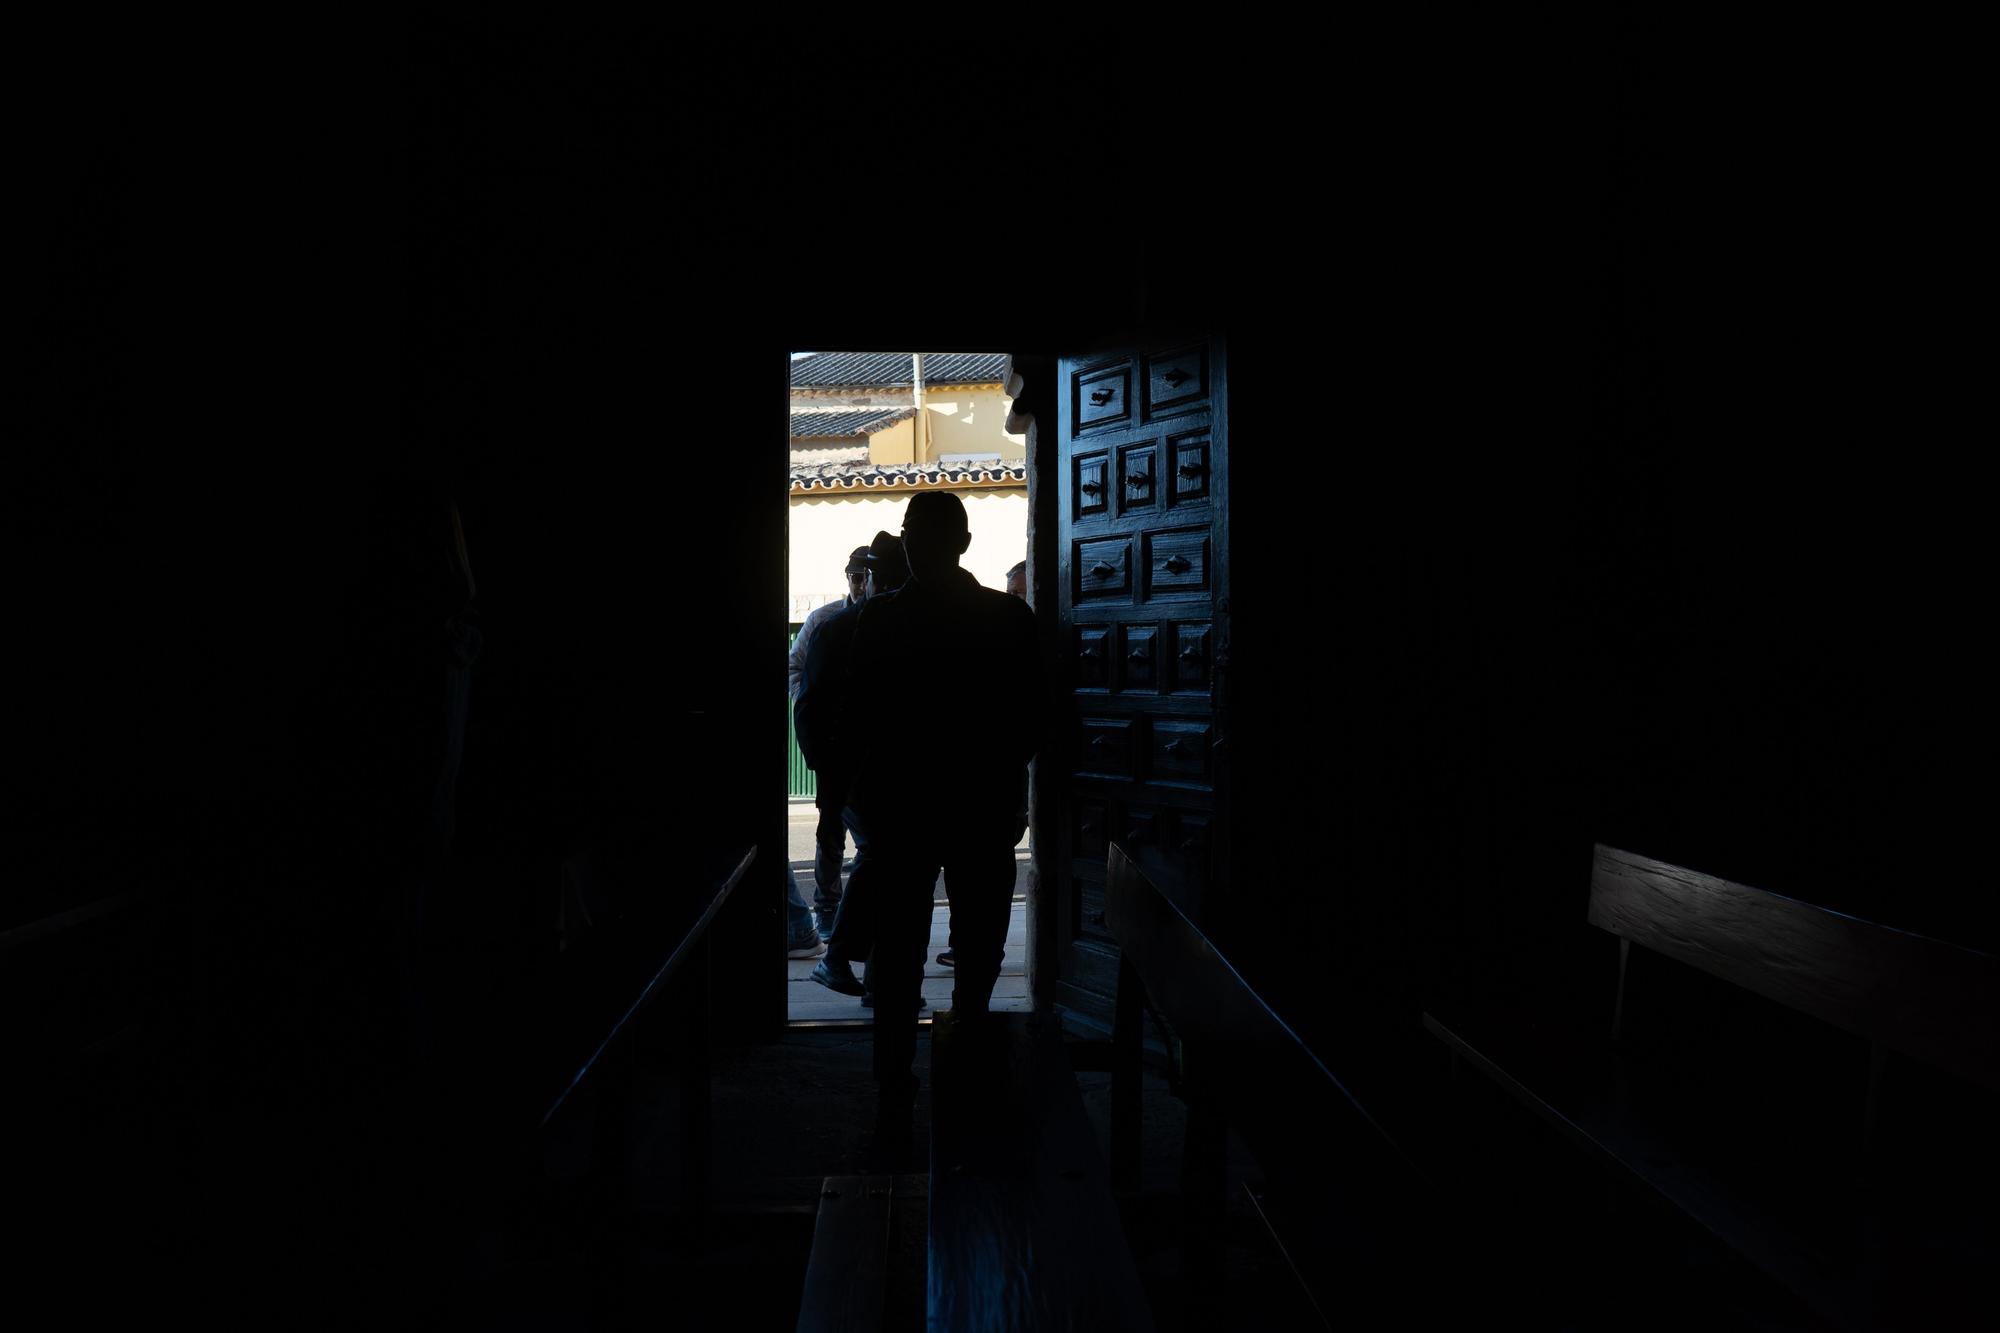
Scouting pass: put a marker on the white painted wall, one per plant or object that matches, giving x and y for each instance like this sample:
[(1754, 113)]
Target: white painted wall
[(825, 529)]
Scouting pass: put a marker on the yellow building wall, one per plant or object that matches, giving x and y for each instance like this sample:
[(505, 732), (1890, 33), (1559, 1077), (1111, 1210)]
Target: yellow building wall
[(897, 444), (956, 420), (970, 421), (825, 528)]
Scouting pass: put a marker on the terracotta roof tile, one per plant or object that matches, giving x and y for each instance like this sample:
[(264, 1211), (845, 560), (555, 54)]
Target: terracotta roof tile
[(892, 370), (864, 421), (913, 476)]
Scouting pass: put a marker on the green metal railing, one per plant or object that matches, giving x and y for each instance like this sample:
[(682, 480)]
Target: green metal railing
[(802, 784), (801, 776)]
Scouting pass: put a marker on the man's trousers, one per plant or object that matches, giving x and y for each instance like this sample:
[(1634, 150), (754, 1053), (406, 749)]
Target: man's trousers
[(980, 872)]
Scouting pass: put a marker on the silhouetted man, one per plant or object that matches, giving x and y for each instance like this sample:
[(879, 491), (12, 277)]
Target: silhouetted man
[(1017, 586), (857, 586), (830, 836), (817, 715), (941, 788)]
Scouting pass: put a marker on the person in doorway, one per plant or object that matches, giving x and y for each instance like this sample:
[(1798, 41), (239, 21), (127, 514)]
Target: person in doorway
[(817, 715), (830, 835), (801, 940), (941, 796), (1017, 586)]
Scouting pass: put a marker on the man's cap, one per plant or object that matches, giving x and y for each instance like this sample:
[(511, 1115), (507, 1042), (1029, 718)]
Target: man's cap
[(857, 560), (887, 548), (936, 511)]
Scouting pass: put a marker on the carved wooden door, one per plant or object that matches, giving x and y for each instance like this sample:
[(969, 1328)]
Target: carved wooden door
[(1143, 569)]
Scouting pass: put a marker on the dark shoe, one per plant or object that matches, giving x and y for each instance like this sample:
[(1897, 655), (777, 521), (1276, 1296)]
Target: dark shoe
[(813, 950), (842, 981), (945, 959)]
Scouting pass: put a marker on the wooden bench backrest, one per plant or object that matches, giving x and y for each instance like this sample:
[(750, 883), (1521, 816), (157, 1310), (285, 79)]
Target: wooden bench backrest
[(1205, 1000), (1927, 999), (604, 989), (92, 978)]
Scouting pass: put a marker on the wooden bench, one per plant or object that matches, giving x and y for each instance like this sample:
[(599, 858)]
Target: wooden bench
[(1343, 1202), (1790, 1172), (101, 1049), (848, 1272), (1024, 1231), (586, 1022), (85, 993), (542, 1068)]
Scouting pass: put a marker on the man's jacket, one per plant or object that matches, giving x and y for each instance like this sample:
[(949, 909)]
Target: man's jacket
[(802, 644), (818, 705), (943, 708)]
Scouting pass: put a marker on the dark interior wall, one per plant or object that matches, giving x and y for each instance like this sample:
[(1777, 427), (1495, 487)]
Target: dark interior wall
[(288, 301), (1631, 518), (1432, 537), (591, 341), (285, 304), (291, 299), (1623, 381)]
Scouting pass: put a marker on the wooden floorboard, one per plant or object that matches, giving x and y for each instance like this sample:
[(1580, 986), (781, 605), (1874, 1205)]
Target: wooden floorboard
[(846, 1282), (1024, 1233)]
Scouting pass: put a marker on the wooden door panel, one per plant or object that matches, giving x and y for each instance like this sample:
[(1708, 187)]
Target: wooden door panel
[(1138, 479), (1094, 650), (1101, 397), (1107, 750), (1176, 382), (1176, 563), (1188, 669), (1142, 526), (1187, 456), (1103, 570), (1138, 658), (1091, 485), (1093, 830), (1178, 753)]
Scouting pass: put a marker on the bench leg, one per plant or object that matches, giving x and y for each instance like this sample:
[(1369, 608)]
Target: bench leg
[(1204, 1170), (697, 1143), (1127, 1065), (607, 1179), (1618, 1003), (1871, 1110)]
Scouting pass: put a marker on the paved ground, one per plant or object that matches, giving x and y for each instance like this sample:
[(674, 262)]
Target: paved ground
[(807, 1002)]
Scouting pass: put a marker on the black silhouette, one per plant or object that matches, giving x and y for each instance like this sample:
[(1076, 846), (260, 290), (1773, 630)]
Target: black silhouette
[(942, 788), (818, 715)]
